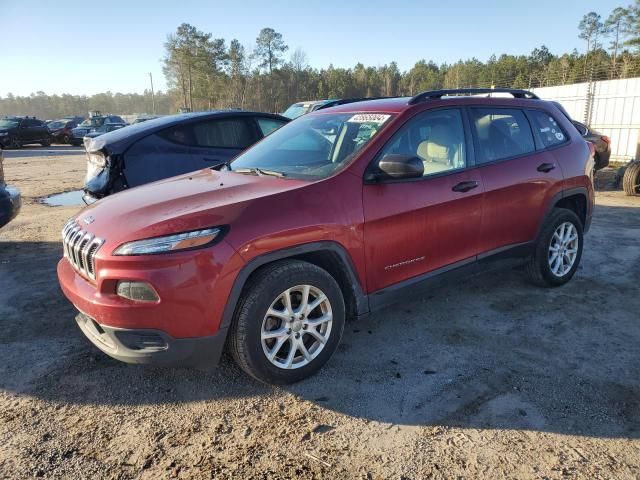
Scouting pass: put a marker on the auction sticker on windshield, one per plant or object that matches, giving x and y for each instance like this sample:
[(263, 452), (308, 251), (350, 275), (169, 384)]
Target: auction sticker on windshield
[(378, 118)]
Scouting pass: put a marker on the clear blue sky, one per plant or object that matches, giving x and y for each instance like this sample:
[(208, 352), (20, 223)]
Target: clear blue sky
[(95, 46)]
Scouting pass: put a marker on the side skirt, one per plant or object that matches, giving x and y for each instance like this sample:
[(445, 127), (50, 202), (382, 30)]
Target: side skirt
[(502, 258)]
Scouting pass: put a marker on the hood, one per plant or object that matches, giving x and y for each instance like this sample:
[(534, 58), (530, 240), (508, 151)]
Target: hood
[(202, 199)]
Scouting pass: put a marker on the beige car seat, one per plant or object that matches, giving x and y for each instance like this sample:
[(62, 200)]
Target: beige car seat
[(438, 152)]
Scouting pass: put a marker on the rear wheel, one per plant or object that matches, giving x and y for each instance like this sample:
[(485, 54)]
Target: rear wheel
[(631, 179), (66, 139), (46, 143), (558, 250), (288, 322)]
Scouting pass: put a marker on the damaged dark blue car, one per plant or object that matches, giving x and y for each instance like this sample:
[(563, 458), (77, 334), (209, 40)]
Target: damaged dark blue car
[(171, 145)]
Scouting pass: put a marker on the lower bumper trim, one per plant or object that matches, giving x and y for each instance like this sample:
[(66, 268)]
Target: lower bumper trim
[(153, 347)]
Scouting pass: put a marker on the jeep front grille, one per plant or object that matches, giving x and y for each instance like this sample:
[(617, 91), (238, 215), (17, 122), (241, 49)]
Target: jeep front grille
[(80, 248)]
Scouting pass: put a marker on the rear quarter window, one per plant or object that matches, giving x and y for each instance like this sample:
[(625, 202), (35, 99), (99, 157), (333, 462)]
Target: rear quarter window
[(547, 128)]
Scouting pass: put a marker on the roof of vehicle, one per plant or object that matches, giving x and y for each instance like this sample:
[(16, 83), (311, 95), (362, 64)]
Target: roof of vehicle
[(461, 96)]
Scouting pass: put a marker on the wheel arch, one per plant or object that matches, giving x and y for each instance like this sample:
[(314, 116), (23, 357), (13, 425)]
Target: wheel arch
[(574, 199), (328, 255)]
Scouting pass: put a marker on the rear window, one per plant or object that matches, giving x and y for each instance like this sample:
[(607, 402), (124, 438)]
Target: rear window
[(501, 133), (547, 128)]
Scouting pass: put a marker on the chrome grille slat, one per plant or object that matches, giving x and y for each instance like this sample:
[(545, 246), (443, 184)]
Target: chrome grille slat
[(80, 248)]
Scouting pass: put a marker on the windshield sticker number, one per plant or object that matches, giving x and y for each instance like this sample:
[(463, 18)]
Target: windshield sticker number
[(377, 118)]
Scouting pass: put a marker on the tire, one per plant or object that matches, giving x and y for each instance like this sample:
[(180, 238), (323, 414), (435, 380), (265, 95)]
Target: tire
[(66, 139), (631, 179), (541, 268), (46, 143), (267, 290)]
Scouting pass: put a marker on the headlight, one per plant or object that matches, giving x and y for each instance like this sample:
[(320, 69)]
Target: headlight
[(4, 134), (170, 243), (97, 159)]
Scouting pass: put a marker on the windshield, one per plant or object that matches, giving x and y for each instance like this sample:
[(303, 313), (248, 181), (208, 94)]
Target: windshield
[(313, 147), (296, 110), (93, 122), (8, 123)]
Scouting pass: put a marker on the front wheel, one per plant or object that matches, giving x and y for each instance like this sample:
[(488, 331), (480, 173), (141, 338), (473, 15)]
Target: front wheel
[(558, 250), (288, 322), (46, 143)]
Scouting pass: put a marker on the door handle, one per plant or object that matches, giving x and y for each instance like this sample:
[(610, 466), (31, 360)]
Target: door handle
[(465, 186), (546, 167)]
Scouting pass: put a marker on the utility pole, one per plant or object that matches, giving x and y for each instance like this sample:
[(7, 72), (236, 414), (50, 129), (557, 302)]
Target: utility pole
[(153, 97)]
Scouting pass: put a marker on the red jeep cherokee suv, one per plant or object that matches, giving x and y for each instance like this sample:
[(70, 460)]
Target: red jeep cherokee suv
[(337, 214)]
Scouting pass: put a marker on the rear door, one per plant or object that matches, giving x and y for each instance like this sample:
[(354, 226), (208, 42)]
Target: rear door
[(421, 225), (519, 176), (217, 141)]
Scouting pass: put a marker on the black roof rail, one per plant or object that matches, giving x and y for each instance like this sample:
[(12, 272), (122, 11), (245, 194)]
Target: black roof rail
[(436, 94), (344, 101)]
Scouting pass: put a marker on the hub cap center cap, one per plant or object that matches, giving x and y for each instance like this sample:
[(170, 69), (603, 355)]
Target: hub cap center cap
[(296, 326)]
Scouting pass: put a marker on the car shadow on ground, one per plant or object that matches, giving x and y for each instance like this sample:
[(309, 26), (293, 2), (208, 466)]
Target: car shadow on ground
[(490, 352), (35, 151)]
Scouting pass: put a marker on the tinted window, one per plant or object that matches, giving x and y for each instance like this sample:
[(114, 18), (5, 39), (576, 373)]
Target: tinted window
[(268, 125), (548, 129), (502, 133), (182, 134), (223, 133), (436, 137)]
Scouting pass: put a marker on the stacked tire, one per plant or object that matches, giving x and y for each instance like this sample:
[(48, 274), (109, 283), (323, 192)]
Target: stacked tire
[(631, 179)]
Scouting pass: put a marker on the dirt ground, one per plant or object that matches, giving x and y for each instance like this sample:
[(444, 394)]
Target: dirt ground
[(491, 378)]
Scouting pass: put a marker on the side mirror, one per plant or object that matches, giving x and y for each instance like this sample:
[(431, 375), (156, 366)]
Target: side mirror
[(582, 129), (398, 167)]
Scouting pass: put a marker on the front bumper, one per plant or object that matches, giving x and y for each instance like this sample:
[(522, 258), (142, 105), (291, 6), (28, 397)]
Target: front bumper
[(153, 347), (10, 204)]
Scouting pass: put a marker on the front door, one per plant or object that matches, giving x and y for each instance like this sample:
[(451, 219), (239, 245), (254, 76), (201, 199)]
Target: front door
[(421, 225)]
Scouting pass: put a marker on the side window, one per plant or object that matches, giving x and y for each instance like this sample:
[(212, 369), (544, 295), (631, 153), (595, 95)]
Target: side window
[(548, 129), (181, 134), (436, 137), (502, 133), (268, 125), (223, 133)]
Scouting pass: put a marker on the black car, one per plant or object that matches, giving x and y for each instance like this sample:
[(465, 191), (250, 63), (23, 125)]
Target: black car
[(18, 131), (10, 201), (60, 130), (91, 124), (601, 142), (170, 145)]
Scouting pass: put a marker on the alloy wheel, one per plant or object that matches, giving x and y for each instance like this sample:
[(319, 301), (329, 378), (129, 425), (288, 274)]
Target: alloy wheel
[(296, 327), (563, 249)]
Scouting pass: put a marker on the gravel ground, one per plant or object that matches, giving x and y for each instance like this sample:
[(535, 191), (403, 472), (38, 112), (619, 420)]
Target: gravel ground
[(489, 378)]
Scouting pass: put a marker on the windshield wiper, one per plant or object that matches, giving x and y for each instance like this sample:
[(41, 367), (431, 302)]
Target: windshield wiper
[(260, 172)]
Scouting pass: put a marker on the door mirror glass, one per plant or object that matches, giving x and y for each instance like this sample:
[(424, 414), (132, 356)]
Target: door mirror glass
[(399, 166)]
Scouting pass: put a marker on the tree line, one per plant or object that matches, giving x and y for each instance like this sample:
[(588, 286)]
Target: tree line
[(204, 72)]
